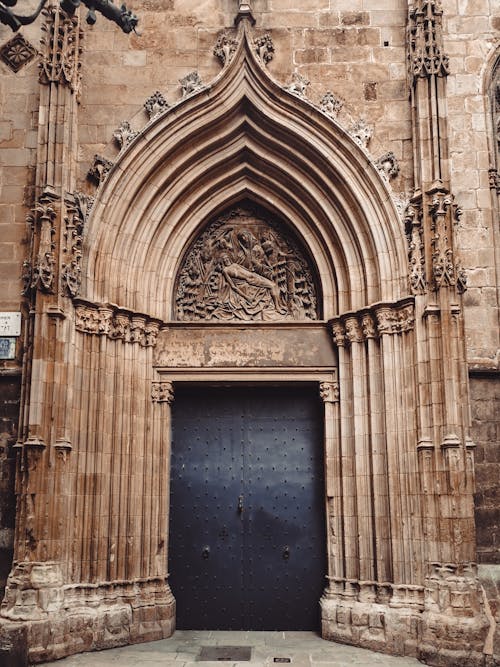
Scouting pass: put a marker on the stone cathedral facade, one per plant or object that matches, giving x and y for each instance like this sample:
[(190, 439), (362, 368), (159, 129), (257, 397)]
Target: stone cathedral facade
[(278, 194)]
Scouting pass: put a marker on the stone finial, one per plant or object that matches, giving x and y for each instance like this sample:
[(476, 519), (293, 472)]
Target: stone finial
[(331, 104), (155, 105), (299, 85), (191, 83)]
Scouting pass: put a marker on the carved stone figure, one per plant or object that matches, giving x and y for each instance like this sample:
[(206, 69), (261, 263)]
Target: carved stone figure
[(244, 267)]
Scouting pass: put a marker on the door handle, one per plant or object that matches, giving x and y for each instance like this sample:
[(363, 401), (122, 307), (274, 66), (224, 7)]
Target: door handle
[(206, 552), (286, 553), (240, 504)]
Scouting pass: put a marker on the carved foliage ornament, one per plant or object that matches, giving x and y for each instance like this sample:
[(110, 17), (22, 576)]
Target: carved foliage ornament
[(264, 47), (245, 267), (331, 105), (225, 47), (124, 134), (155, 104), (444, 213), (299, 85), (77, 207), (100, 169), (416, 256), (191, 83)]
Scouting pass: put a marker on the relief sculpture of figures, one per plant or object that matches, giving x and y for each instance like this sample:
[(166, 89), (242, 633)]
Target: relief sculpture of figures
[(245, 267)]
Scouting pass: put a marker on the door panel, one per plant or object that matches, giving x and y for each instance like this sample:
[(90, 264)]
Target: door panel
[(267, 558)]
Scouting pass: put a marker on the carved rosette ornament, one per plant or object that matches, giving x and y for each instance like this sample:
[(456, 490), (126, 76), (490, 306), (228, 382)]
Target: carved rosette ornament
[(60, 58), (116, 323), (225, 48), (244, 266), (264, 48), (425, 39), (17, 52)]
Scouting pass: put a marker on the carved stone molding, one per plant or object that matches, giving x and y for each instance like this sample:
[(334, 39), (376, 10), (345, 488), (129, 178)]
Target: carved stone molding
[(100, 169), (329, 392), (361, 132), (416, 255), (494, 178), (155, 105), (17, 52), (425, 41), (264, 48), (60, 61), (162, 392), (373, 322), (388, 165), (116, 323), (39, 272), (124, 134), (225, 47), (299, 85), (191, 83), (245, 266), (77, 207), (331, 104)]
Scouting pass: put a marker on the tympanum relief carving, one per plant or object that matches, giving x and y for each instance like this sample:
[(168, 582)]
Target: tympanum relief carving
[(245, 267)]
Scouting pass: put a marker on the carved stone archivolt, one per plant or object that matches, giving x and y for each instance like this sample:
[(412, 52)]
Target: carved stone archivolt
[(116, 323), (380, 319), (245, 266)]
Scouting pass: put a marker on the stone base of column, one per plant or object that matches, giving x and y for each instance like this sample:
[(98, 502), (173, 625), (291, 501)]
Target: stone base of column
[(86, 617), (372, 624), (410, 620)]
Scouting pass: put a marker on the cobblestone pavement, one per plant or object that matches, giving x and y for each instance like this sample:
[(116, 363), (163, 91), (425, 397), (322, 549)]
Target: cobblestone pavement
[(301, 649)]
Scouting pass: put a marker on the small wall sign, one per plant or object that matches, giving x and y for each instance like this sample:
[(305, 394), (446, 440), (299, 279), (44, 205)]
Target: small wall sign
[(8, 348), (10, 324)]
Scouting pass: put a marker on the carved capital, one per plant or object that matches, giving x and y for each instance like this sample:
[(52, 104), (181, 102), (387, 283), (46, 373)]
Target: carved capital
[(162, 392), (329, 392), (368, 326), (395, 319), (338, 333), (353, 329), (116, 323)]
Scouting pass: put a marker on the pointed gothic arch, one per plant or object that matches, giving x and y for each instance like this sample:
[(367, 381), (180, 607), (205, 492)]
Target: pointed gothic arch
[(244, 136)]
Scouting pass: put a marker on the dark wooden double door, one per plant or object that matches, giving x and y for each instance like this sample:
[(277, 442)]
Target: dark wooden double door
[(247, 521)]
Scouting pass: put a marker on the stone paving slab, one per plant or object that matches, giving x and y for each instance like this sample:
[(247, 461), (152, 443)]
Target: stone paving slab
[(305, 649)]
